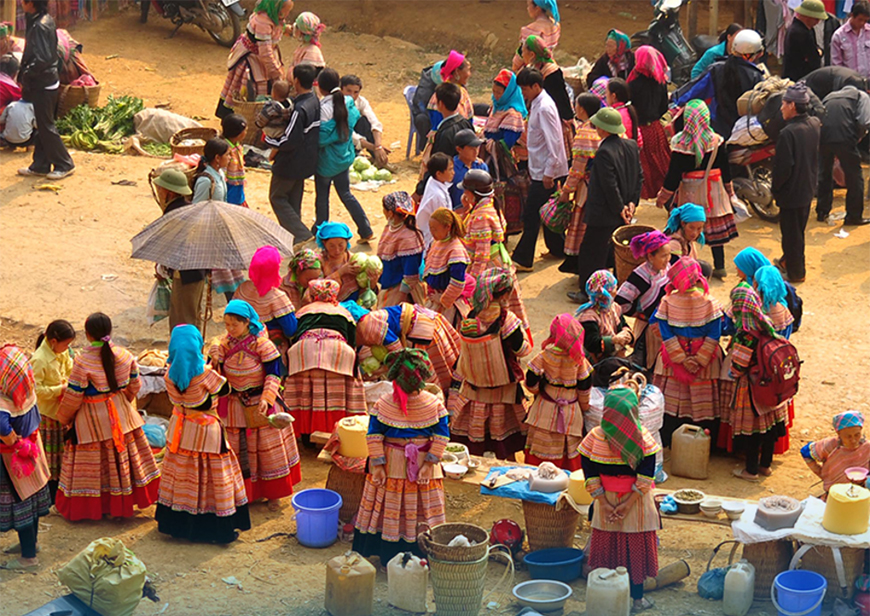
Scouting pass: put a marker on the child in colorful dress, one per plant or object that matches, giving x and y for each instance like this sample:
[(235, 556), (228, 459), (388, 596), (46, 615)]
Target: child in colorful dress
[(830, 457), (108, 467), (687, 371), (446, 266), (640, 294), (401, 251), (202, 492), (685, 227), (262, 291), (404, 489), (252, 366), (52, 364), (333, 238), (307, 29), (487, 409), (24, 493), (304, 267), (607, 333), (560, 376), (235, 128)]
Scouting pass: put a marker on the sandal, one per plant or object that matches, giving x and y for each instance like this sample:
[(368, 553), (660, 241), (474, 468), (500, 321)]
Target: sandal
[(645, 604), (742, 474), (765, 472), (366, 240), (16, 565)]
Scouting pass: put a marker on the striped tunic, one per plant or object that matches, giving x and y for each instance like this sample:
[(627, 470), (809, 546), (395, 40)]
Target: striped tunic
[(444, 274), (249, 365)]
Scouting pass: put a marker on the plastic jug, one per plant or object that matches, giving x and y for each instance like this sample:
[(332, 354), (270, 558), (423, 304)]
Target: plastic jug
[(739, 589), (577, 488), (350, 586), (847, 510), (352, 433), (608, 592), (407, 580), (690, 452)]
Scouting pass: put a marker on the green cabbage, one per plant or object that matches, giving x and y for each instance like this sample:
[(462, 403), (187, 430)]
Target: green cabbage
[(367, 299), (369, 174), (383, 175), (354, 177), (379, 352), (370, 365), (361, 163)]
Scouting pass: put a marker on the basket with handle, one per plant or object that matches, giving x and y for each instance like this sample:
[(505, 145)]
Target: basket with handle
[(189, 173), (770, 558), (249, 110), (625, 261), (839, 565), (548, 527), (458, 587), (350, 485), (435, 542), (199, 132), (69, 97)]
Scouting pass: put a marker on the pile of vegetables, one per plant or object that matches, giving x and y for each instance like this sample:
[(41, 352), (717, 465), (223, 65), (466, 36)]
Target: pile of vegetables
[(370, 267), (372, 364), (363, 171), (100, 128)]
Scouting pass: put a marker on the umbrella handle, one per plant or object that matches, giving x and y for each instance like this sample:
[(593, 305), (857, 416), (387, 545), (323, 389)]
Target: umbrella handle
[(207, 314)]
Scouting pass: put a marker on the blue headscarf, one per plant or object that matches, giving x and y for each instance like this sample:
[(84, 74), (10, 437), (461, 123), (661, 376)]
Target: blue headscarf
[(849, 419), (355, 310), (551, 7), (329, 230), (436, 73), (749, 260), (688, 212), (512, 98), (241, 308), (185, 355), (771, 287)]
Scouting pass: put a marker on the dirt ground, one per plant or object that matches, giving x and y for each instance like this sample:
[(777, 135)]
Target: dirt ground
[(67, 255)]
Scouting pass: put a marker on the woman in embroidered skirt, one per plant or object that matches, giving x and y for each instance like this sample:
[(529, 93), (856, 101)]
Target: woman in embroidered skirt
[(560, 376), (262, 291), (401, 251), (545, 14), (255, 57), (506, 121), (619, 459), (829, 457), (699, 169), (640, 294), (52, 364), (333, 238), (24, 494), (607, 333), (685, 227), (687, 371), (251, 364), (202, 492), (488, 408), (412, 326), (404, 490), (304, 266), (307, 29), (323, 383), (648, 83), (446, 265), (455, 69), (108, 467)]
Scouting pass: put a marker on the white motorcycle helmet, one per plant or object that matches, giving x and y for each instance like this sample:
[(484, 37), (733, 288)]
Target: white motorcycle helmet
[(746, 43)]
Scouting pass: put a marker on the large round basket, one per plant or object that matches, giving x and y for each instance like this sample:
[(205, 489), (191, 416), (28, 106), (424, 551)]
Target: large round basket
[(202, 133), (821, 559), (249, 111), (625, 261), (548, 528), (458, 587), (769, 558), (350, 486), (189, 172), (577, 84), (69, 97), (434, 542)]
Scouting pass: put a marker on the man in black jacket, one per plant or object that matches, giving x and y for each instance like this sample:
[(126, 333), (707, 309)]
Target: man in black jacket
[(296, 158), (422, 95), (795, 175), (40, 85), (801, 54), (615, 180)]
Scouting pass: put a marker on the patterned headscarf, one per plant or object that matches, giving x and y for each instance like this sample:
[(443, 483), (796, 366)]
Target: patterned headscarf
[(567, 334), (535, 44), (265, 269), (551, 7), (747, 312), (323, 290), (512, 97), (649, 61), (241, 308), (309, 27), (330, 230), (771, 287), (623, 44), (685, 275), (688, 212), (304, 259), (599, 89), (185, 355), (600, 288), (17, 386), (399, 202), (647, 243), (697, 137), (749, 261), (454, 61), (849, 419), (489, 284), (621, 426), (270, 8), (408, 369)]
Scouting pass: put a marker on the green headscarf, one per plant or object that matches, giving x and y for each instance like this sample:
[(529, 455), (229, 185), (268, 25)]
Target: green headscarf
[(536, 45), (621, 426), (270, 8)]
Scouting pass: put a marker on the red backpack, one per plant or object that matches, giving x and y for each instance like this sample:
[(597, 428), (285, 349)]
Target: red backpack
[(774, 376)]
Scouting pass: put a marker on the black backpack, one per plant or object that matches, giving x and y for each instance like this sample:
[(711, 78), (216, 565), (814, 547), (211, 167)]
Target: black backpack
[(795, 305)]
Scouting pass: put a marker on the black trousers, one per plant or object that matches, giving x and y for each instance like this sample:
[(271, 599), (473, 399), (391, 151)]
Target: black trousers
[(792, 224), (363, 128), (850, 161), (759, 451), (286, 198), (49, 153), (596, 252), (524, 253), (27, 539)]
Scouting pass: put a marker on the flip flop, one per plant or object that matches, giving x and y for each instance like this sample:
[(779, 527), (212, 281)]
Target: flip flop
[(737, 472), (16, 565)]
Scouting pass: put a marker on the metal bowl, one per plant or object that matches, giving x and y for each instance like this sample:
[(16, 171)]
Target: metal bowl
[(542, 595)]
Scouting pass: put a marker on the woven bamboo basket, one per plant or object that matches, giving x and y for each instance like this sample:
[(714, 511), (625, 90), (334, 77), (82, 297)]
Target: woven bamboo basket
[(249, 111), (350, 486), (625, 261), (203, 133), (189, 172), (70, 97), (434, 542), (577, 84), (769, 559), (458, 587), (821, 560), (548, 528)]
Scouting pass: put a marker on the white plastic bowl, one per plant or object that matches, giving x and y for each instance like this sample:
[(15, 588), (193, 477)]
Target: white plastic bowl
[(454, 471), (542, 595), (733, 509)]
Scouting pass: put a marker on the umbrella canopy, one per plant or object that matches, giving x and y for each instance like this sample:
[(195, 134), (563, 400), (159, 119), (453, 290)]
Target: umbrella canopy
[(209, 235)]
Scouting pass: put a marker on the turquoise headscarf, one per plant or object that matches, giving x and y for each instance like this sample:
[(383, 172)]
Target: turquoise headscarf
[(185, 355), (688, 212), (551, 7), (512, 98), (241, 308), (749, 261), (436, 73), (330, 230), (771, 287)]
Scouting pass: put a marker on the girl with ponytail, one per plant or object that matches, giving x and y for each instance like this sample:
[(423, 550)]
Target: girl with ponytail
[(107, 466), (448, 287)]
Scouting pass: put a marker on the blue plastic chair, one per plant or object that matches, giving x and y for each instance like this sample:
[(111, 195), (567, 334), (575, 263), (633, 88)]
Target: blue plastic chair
[(409, 93)]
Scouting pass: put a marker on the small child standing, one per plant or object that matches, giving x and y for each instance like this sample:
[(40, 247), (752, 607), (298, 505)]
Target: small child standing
[(307, 29), (235, 127), (401, 251), (467, 148), (830, 457), (437, 193), (275, 114)]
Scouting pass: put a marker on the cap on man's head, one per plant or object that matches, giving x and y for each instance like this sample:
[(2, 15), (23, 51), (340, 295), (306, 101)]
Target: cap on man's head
[(466, 137)]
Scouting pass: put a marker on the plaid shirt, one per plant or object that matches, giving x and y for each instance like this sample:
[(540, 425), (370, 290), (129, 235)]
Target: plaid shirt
[(274, 114)]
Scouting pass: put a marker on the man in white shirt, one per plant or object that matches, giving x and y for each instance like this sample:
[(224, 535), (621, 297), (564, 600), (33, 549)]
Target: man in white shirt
[(369, 130), (17, 123), (548, 167), (437, 193)]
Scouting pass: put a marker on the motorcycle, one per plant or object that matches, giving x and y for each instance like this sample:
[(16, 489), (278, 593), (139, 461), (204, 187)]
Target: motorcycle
[(220, 18), (666, 35), (755, 188)]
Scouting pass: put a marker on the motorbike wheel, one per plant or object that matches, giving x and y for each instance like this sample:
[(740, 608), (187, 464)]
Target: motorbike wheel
[(231, 27), (769, 212)]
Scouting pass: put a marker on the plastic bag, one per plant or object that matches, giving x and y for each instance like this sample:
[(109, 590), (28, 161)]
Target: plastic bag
[(556, 215), (158, 301), (106, 576), (156, 435), (158, 125), (711, 585)]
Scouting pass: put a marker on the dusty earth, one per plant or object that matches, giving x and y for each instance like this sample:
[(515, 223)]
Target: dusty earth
[(67, 255)]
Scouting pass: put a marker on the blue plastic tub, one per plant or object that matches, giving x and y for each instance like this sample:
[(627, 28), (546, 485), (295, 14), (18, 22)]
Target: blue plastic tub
[(798, 593), (316, 517), (561, 564)]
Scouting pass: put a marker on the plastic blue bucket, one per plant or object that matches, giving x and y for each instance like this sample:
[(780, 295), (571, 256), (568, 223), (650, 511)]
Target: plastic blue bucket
[(798, 593), (316, 517), (560, 564)]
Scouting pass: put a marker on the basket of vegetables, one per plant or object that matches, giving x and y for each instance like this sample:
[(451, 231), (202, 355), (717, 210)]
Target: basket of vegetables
[(189, 141), (70, 97), (100, 128)]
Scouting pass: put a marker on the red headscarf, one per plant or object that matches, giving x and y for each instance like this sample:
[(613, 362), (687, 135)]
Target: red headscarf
[(567, 334), (686, 274)]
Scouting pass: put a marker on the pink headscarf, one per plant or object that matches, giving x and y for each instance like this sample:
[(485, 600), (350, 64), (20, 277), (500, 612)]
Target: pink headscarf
[(647, 243), (453, 62), (265, 269), (649, 61), (686, 274), (567, 334)]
